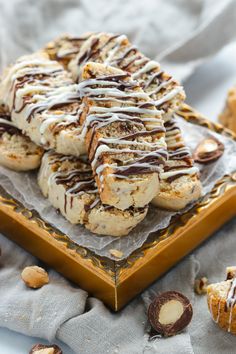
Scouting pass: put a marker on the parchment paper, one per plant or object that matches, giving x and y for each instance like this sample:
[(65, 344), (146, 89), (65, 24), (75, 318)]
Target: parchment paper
[(23, 187)]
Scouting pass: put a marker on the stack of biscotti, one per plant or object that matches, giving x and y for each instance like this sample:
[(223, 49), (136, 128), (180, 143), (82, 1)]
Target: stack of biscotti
[(179, 182), (45, 104), (106, 115)]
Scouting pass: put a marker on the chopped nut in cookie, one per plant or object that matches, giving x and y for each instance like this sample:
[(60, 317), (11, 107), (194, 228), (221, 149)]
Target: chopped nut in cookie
[(170, 313), (45, 349), (200, 286), (209, 150), (35, 277)]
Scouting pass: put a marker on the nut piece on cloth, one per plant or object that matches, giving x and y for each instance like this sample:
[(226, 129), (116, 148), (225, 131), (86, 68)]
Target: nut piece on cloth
[(228, 116), (221, 299), (208, 150), (170, 313), (45, 349), (34, 277), (200, 286)]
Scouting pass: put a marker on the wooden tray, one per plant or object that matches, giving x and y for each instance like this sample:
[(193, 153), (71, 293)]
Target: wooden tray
[(117, 282)]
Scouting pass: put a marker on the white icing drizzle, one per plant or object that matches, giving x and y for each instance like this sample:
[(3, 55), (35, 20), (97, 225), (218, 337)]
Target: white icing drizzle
[(113, 51), (7, 122), (183, 171), (168, 96), (29, 94), (77, 181), (150, 76), (146, 155), (116, 51), (231, 300), (148, 66)]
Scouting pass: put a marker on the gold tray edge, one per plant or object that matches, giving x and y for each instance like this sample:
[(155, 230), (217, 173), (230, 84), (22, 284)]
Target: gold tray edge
[(114, 275)]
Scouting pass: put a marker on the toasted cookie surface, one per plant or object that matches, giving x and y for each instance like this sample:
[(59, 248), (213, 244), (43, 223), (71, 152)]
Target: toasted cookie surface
[(17, 152), (69, 184), (221, 303), (44, 103), (125, 136)]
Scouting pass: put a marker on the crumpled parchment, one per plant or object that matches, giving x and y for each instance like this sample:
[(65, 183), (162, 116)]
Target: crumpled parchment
[(23, 187)]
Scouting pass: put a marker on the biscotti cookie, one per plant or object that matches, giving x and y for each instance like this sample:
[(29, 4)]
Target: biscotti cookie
[(228, 116), (117, 51), (44, 103), (17, 152), (221, 299), (69, 184), (125, 136), (179, 182)]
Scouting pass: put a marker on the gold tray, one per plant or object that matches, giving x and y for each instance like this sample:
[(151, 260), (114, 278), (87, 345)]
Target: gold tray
[(117, 282)]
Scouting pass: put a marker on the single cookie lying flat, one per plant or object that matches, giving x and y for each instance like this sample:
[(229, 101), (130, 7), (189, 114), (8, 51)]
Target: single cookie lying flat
[(17, 152), (124, 136), (70, 187), (228, 116), (44, 103)]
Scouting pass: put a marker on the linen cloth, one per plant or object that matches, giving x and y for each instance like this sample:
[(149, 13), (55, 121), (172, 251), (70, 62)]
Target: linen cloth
[(181, 33)]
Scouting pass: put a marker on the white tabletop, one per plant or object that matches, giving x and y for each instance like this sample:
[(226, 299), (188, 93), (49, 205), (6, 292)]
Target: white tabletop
[(206, 91)]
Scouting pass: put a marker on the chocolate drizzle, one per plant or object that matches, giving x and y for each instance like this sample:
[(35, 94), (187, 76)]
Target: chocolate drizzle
[(116, 51), (160, 86), (6, 126), (35, 90), (136, 121), (77, 181)]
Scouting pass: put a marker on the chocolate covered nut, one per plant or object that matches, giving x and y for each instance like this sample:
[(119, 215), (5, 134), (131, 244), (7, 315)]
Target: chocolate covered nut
[(200, 286), (230, 272), (45, 349), (170, 313), (208, 150)]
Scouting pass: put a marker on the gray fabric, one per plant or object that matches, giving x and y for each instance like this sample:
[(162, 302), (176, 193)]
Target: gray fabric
[(182, 34), (87, 326)]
